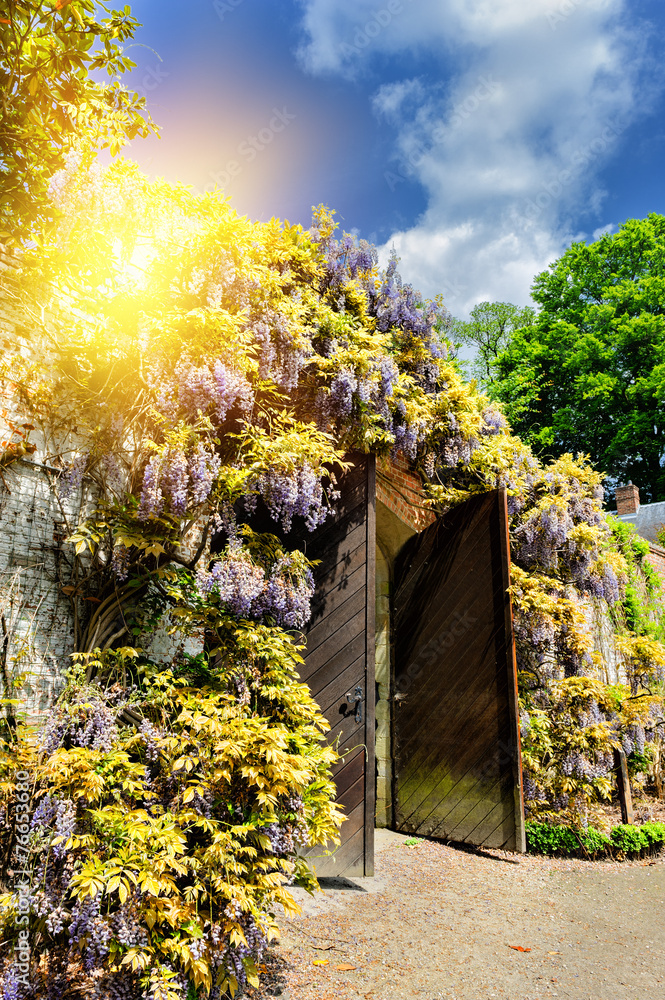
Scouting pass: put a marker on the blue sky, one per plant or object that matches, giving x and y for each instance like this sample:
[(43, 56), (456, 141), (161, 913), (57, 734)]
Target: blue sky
[(478, 137)]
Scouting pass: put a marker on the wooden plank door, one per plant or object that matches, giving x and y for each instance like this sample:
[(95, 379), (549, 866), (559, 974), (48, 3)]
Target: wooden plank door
[(457, 769), (339, 659)]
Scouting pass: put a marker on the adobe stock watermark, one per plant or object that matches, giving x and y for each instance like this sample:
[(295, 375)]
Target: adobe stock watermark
[(153, 77), (552, 190), (250, 147), (432, 650), (224, 7), (22, 877), (449, 287), (463, 110), (567, 7)]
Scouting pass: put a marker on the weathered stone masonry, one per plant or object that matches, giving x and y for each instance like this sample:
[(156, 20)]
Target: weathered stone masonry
[(34, 523), (38, 616)]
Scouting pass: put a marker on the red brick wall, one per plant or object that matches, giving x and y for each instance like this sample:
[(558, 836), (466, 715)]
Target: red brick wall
[(401, 491), (656, 557), (628, 499)]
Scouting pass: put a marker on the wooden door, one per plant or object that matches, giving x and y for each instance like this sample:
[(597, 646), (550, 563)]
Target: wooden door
[(339, 659), (457, 772)]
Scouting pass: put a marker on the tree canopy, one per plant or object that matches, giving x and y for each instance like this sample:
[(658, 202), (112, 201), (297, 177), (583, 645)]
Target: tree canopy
[(588, 373), (50, 102), (489, 330)]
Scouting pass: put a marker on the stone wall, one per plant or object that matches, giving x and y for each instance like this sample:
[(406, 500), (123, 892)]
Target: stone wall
[(38, 616)]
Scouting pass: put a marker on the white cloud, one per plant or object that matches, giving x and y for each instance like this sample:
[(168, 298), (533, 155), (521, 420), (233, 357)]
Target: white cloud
[(475, 261), (341, 33), (392, 98), (603, 231), (508, 145)]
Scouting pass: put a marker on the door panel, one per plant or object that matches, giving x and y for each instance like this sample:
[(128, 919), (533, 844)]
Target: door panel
[(457, 772), (340, 658)]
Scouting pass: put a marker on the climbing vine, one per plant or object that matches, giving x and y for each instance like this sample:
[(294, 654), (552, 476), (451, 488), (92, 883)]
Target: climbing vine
[(183, 371)]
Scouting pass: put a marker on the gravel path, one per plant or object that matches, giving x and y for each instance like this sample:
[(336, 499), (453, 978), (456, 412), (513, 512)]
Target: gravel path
[(439, 921)]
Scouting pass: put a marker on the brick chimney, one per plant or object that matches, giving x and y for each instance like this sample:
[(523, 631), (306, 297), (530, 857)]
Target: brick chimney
[(628, 499)]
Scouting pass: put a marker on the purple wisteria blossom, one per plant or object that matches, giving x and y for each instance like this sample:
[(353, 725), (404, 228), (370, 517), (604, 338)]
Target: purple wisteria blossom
[(212, 390), (173, 480), (342, 388), (72, 477), (283, 595), (152, 498), (57, 815), (236, 580), (286, 596), (88, 723), (281, 357), (120, 558), (296, 493), (396, 307)]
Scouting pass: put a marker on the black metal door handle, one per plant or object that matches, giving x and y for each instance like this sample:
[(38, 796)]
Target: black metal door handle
[(356, 699)]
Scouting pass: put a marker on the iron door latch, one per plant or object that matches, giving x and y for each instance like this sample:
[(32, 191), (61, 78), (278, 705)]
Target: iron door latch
[(356, 699)]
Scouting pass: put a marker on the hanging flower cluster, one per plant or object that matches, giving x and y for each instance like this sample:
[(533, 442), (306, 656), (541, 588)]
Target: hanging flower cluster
[(280, 594), (214, 389), (174, 480)]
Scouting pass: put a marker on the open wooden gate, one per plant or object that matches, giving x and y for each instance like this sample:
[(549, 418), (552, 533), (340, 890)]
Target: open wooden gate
[(339, 659), (457, 771)]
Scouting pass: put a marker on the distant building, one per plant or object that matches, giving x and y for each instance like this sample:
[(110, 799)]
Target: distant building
[(647, 519)]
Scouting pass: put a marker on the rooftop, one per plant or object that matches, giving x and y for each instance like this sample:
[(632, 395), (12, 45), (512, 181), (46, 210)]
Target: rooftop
[(647, 518)]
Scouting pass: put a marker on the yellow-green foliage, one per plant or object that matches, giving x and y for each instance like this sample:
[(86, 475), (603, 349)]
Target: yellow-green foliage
[(644, 659), (641, 607), (568, 749), (171, 820), (558, 627)]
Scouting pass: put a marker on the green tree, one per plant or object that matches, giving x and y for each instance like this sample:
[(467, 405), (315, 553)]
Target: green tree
[(49, 101), (488, 332), (588, 373)]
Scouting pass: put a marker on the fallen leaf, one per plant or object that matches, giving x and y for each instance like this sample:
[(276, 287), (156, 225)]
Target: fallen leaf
[(518, 947), (553, 952), (345, 967), (321, 961)]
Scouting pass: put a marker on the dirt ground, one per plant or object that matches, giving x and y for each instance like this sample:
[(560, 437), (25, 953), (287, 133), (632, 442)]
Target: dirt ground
[(646, 807), (438, 921)]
